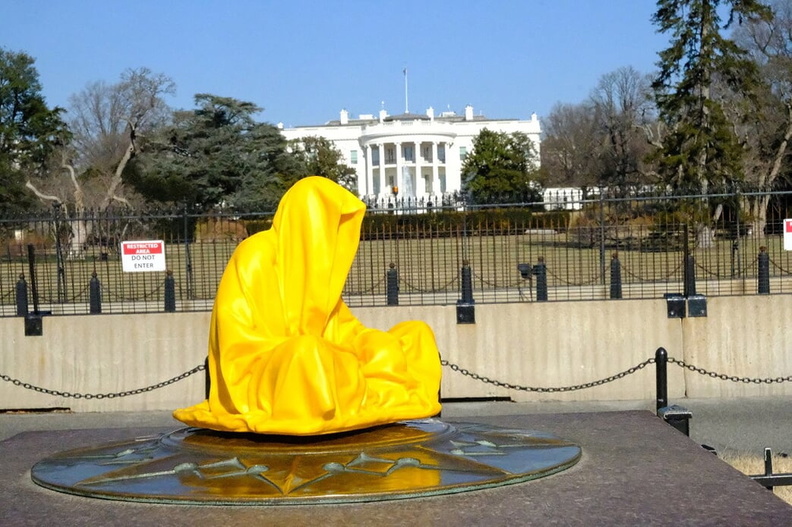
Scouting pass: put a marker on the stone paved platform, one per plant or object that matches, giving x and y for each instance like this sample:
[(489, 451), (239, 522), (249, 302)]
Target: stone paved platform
[(635, 470)]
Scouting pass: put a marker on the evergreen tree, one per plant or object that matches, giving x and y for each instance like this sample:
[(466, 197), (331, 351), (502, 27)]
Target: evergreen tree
[(318, 156), (29, 129), (215, 155), (700, 150), (503, 168)]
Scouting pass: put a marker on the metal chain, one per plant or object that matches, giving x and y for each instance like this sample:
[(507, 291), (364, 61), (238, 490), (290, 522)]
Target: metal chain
[(620, 375), (57, 393), (724, 377), (547, 389), (443, 362)]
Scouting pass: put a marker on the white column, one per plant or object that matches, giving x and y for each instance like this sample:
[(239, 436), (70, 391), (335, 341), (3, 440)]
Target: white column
[(399, 165), (435, 173), (382, 179), (369, 171), (417, 170)]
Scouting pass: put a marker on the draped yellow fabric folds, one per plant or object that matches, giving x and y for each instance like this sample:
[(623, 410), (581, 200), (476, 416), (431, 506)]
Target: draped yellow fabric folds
[(286, 355)]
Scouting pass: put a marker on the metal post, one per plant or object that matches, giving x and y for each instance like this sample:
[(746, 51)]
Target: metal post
[(735, 258), (95, 295), (21, 297), (207, 378), (764, 271), (466, 306), (59, 254), (690, 276), (768, 465), (540, 271), (661, 370), (34, 325), (392, 285), (170, 292), (616, 278), (602, 235), (467, 283), (32, 272), (187, 256)]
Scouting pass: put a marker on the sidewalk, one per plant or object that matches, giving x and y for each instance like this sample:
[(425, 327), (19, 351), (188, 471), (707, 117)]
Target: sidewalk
[(740, 425)]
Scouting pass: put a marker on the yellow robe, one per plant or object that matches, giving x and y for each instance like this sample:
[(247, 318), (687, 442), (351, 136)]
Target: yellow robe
[(286, 355)]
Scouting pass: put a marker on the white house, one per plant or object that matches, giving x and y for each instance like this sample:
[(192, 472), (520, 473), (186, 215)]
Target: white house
[(415, 158)]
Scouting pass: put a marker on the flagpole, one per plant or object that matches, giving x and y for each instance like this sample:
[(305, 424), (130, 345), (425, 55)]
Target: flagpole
[(406, 96)]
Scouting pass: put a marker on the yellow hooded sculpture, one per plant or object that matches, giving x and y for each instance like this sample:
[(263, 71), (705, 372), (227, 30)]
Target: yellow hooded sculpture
[(286, 355)]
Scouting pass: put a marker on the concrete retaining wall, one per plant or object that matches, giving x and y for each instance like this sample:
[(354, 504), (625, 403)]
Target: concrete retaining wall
[(534, 344)]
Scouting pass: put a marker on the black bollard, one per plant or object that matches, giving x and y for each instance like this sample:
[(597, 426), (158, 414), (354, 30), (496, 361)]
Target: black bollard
[(170, 292), (21, 297), (675, 415), (615, 278), (95, 295), (764, 271), (661, 370), (392, 285), (540, 271)]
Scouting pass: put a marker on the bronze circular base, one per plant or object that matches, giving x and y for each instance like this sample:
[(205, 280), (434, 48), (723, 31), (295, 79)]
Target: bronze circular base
[(404, 460)]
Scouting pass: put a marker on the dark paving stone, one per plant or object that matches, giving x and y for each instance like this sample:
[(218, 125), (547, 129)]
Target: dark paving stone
[(635, 470)]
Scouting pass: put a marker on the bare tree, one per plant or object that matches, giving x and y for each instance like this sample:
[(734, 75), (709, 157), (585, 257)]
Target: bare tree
[(569, 148), (107, 123), (767, 115), (622, 108)]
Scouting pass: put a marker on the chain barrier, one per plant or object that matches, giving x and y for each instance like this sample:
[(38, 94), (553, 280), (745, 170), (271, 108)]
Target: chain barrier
[(442, 289), (779, 267), (112, 395), (68, 300), (443, 362), (615, 377), (626, 270), (724, 377), (483, 281), (547, 389), (144, 298), (593, 280), (365, 291)]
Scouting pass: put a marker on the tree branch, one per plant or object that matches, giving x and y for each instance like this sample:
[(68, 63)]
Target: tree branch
[(79, 202), (41, 195)]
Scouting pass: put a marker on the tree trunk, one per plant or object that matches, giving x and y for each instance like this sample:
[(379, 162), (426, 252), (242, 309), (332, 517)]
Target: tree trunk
[(116, 181), (757, 205), (80, 228), (757, 211)]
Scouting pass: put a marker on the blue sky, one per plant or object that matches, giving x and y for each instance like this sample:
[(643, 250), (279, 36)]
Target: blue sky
[(304, 60)]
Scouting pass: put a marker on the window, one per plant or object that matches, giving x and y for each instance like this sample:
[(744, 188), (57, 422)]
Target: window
[(375, 155), (441, 153), (353, 157), (409, 153), (462, 153), (426, 153), (390, 155)]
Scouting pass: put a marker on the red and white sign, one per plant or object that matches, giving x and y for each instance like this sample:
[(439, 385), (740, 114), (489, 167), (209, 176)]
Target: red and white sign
[(788, 235), (142, 256)]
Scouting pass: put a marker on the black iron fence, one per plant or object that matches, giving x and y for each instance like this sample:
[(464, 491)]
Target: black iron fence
[(603, 247)]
